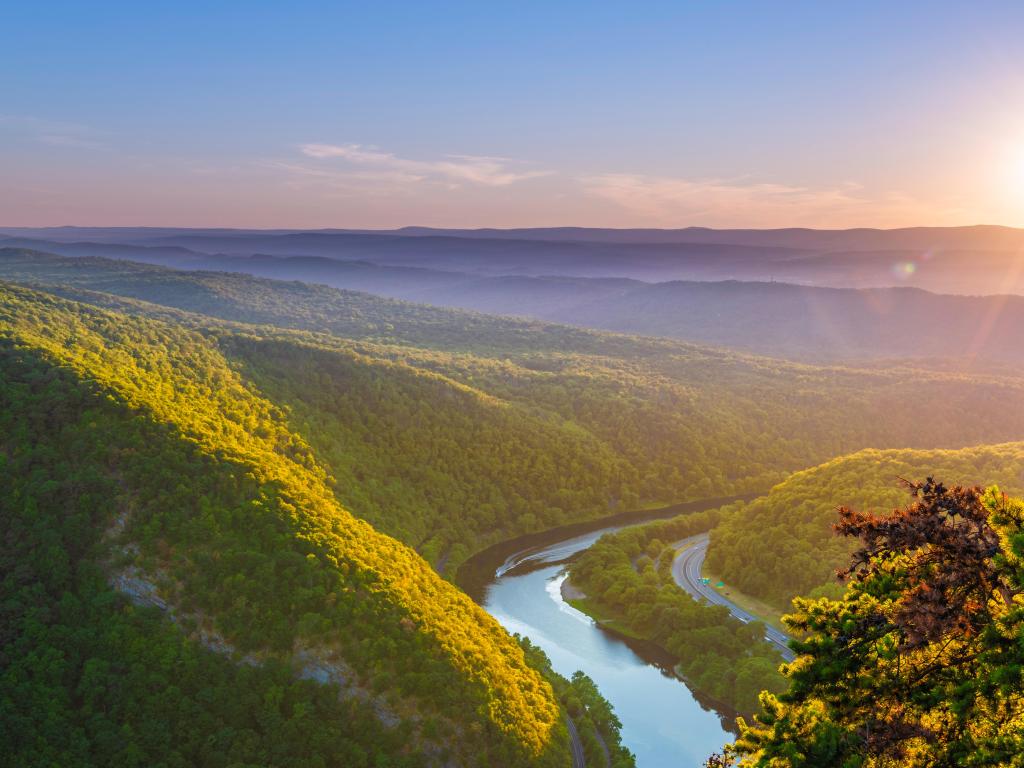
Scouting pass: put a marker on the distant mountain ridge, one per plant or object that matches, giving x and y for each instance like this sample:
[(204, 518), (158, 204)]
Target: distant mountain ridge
[(966, 260), (777, 319), (978, 236), (983, 236)]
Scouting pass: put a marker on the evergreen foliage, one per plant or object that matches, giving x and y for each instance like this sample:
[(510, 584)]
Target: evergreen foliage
[(920, 662)]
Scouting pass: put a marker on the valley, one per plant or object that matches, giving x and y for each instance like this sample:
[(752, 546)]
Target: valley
[(491, 385), (403, 446)]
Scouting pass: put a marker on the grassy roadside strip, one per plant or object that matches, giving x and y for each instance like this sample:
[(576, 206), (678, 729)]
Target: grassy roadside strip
[(761, 609)]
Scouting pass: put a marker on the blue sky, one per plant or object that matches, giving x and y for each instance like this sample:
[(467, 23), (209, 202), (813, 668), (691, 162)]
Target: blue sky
[(487, 114)]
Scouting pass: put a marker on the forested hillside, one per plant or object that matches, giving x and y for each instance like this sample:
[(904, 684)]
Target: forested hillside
[(350, 314), (135, 456), (454, 430), (782, 544), (242, 434)]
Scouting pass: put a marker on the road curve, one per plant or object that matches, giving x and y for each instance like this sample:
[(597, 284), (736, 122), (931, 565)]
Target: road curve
[(686, 567), (578, 759)]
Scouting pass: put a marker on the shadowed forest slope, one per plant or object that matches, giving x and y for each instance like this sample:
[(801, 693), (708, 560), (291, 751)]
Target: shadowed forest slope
[(216, 511)]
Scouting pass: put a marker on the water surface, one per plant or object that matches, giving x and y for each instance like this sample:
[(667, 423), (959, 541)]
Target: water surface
[(663, 723)]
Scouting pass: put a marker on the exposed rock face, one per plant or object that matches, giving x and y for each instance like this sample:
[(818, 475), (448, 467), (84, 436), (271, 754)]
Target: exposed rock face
[(132, 584), (319, 665)]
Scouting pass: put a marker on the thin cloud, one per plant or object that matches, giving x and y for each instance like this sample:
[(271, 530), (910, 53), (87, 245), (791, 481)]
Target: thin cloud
[(717, 202), (53, 133), (64, 140), (486, 171), (348, 179)]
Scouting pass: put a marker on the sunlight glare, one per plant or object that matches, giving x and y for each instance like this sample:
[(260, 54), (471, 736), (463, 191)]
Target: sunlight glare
[(1015, 174)]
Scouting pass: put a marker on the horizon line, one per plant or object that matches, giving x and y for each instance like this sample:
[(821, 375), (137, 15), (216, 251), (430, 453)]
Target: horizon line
[(403, 227)]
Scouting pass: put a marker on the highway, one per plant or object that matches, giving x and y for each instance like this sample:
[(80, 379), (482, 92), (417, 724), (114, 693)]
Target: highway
[(576, 744), (686, 568)]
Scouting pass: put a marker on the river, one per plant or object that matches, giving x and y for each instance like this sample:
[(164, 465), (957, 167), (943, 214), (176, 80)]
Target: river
[(663, 722)]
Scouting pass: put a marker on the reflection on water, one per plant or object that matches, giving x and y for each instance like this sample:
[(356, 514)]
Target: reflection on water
[(554, 553), (662, 723)]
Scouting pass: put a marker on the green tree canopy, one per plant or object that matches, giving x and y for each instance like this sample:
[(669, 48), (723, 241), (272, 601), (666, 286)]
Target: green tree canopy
[(921, 663)]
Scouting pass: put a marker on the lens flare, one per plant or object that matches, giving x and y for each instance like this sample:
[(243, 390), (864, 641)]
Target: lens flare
[(904, 269)]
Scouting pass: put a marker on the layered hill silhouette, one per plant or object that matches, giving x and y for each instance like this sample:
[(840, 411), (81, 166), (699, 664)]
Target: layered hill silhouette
[(806, 322), (962, 260)]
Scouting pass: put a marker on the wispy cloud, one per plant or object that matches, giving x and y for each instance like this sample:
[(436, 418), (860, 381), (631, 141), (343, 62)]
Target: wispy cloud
[(673, 201), (53, 133), (345, 182), (457, 169)]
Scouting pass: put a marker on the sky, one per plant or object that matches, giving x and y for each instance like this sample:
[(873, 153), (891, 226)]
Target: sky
[(488, 114)]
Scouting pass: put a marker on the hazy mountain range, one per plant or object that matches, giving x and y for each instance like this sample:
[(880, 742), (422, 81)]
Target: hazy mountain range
[(915, 292)]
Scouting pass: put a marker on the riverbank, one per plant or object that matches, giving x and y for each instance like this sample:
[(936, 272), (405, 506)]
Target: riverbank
[(479, 571), (629, 580), (570, 592), (577, 598), (664, 721)]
